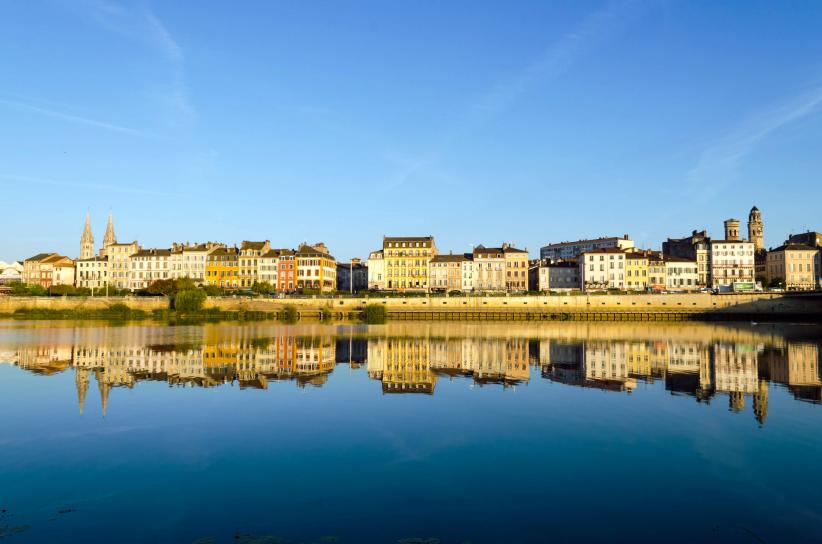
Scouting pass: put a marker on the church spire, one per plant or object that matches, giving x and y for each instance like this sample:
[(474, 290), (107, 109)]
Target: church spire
[(109, 238), (87, 240)]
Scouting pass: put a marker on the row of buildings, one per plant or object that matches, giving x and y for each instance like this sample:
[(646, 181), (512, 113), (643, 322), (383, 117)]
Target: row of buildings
[(414, 264)]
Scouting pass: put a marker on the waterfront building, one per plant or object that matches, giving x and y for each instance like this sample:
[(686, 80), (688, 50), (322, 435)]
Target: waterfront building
[(516, 268), (636, 271), (558, 276), (489, 269), (119, 263), (376, 270), (681, 274), (403, 365), (148, 266), (222, 268), (87, 240), (572, 250), (732, 259), (48, 269), (406, 261), (603, 269), (269, 266), (352, 277), (10, 273), (445, 272), (189, 260), (794, 264), (316, 268), (695, 247), (656, 272), (286, 271), (91, 273), (813, 239), (249, 262)]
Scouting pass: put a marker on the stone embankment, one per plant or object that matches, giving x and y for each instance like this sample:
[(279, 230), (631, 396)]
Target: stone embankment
[(701, 306)]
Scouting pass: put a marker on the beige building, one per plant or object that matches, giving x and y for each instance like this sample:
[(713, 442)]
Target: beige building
[(794, 264), (119, 263), (316, 268), (376, 270), (91, 273), (603, 269), (249, 264), (681, 274), (48, 269), (489, 269), (189, 260), (516, 268), (572, 250), (406, 262), (445, 272), (148, 266)]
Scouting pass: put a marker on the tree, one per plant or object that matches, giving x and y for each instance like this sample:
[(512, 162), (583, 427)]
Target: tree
[(189, 300), (262, 287), (161, 287)]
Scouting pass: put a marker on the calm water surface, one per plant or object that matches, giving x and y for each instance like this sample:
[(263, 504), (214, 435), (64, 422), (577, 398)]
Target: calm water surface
[(440, 432)]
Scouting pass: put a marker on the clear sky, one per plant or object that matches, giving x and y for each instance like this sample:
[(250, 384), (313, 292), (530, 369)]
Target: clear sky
[(477, 122)]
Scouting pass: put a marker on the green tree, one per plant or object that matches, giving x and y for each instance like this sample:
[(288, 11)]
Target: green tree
[(161, 287), (262, 287), (190, 300)]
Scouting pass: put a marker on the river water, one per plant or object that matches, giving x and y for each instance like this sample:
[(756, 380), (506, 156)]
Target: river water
[(410, 432)]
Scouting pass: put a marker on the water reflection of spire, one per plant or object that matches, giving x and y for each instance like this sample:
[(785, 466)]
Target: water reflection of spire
[(81, 381)]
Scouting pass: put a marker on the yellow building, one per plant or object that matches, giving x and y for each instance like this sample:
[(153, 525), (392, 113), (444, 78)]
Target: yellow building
[(636, 271), (516, 268), (222, 268), (406, 262)]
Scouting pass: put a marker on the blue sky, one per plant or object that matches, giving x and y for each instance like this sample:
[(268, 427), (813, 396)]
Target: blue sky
[(527, 122)]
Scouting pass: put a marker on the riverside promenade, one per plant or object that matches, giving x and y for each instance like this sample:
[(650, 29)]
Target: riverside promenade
[(593, 307)]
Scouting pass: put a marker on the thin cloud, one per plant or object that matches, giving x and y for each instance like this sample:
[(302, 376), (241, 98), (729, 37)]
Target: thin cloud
[(11, 178), (74, 118), (554, 61), (162, 37), (719, 164)]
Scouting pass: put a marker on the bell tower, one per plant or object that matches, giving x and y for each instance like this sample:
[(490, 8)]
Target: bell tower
[(87, 240), (755, 229), (109, 238)]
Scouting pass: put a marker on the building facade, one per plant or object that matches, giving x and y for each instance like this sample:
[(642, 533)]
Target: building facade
[(91, 273), (148, 266), (490, 267), (695, 247), (572, 250), (603, 269), (732, 261), (47, 270), (636, 271), (681, 274), (406, 262), (559, 276), (794, 264), (119, 263), (376, 270), (445, 273), (223, 268), (352, 277), (316, 268)]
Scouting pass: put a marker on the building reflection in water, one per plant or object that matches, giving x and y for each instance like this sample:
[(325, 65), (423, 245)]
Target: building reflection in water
[(703, 363)]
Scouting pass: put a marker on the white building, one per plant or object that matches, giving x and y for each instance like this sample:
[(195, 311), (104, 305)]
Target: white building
[(148, 266), (189, 260), (731, 261), (602, 269), (376, 270), (681, 274), (572, 250), (119, 263), (91, 273), (10, 272)]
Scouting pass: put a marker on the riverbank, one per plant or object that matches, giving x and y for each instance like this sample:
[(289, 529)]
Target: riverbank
[(593, 307)]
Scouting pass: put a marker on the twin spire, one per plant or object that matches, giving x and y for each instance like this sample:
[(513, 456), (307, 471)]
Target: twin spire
[(87, 239)]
